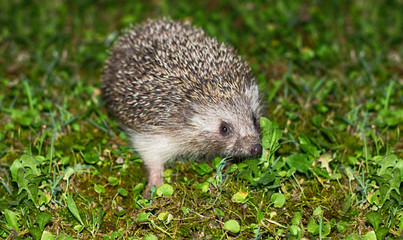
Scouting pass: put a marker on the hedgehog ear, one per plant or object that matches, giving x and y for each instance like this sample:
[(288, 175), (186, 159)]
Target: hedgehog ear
[(253, 99), (256, 121)]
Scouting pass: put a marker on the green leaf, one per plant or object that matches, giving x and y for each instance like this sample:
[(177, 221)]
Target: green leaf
[(143, 217), (36, 233), (202, 186), (381, 233), (278, 199), (12, 219), (240, 197), (294, 230), (322, 108), (385, 163), (165, 189), (326, 229), (137, 189), (78, 228), (369, 236), (400, 225), (120, 213), (267, 178), (253, 166), (232, 226), (399, 165), (203, 168), (291, 115), (142, 203), (216, 162), (26, 162), (307, 53), (296, 219), (232, 168), (150, 237), (341, 226), (42, 219), (247, 175), (115, 235), (271, 136), (75, 127), (65, 160), (313, 227), (113, 180), (71, 205), (391, 118), (91, 158), (153, 189), (384, 190), (25, 118), (299, 161), (317, 121), (374, 218), (165, 216), (396, 180), (14, 169), (185, 211), (329, 134), (318, 211), (307, 146), (122, 192), (332, 222), (99, 189), (162, 215), (220, 212), (47, 236), (259, 216), (67, 174), (266, 124)]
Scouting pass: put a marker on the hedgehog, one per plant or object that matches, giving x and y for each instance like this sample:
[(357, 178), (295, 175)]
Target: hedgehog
[(181, 94)]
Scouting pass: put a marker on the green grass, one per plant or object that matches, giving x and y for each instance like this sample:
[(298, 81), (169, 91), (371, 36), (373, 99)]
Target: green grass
[(331, 76)]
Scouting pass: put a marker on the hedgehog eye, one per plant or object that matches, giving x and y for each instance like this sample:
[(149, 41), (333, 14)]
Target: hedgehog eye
[(224, 129)]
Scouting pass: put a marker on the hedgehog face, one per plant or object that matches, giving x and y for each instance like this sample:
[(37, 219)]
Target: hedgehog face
[(227, 129), (238, 138)]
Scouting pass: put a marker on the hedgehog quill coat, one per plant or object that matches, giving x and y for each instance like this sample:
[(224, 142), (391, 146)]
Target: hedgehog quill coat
[(179, 93)]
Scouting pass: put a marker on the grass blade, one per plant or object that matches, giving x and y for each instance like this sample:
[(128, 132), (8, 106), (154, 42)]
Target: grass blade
[(73, 209)]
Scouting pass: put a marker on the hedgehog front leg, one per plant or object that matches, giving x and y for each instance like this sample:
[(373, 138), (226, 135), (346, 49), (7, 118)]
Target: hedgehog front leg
[(154, 174), (155, 151), (155, 171)]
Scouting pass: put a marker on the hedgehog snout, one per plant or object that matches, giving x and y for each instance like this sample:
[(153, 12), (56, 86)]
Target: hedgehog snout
[(256, 150), (246, 146)]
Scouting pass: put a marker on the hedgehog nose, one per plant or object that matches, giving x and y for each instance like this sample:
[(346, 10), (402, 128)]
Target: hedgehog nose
[(256, 149)]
